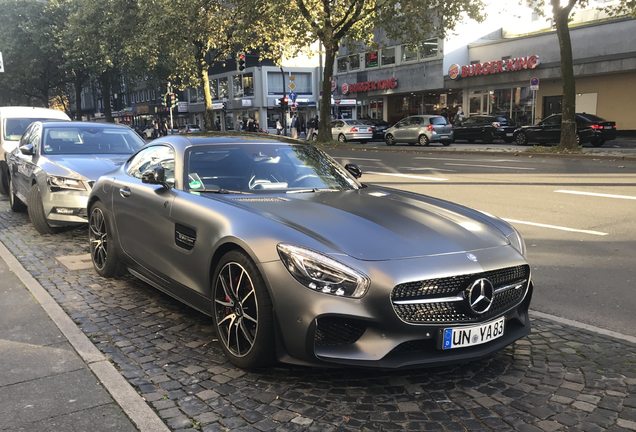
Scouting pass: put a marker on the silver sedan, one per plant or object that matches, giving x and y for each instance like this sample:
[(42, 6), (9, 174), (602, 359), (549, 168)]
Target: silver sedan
[(351, 130), (55, 165)]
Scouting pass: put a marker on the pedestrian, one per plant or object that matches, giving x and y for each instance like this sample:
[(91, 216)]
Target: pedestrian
[(294, 127), (217, 124), (444, 113), (279, 127), (459, 116)]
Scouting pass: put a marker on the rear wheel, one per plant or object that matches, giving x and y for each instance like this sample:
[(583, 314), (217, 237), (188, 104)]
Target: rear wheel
[(104, 249), (389, 140), (597, 142), (446, 143), (242, 312), (16, 204), (521, 138), (342, 138), (36, 211), (423, 140)]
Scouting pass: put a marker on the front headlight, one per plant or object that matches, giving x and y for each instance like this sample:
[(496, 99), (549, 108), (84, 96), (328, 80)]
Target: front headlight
[(321, 273), (57, 183), (517, 242)]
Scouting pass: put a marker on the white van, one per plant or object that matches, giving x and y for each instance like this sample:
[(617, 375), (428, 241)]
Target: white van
[(13, 122)]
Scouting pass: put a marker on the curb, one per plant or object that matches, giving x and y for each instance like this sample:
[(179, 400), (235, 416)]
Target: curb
[(135, 407), (583, 326)]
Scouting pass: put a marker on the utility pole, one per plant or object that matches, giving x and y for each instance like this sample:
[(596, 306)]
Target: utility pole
[(282, 108), (170, 107)]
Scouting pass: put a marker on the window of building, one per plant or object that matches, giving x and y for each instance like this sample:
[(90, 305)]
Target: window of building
[(354, 62), (388, 56), (237, 86), (371, 59), (409, 53), (429, 48), (275, 83), (342, 64), (214, 89), (223, 88), (302, 80), (248, 84)]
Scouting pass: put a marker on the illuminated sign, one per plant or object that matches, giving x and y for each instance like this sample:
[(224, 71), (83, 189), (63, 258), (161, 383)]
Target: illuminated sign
[(365, 86), (493, 67)]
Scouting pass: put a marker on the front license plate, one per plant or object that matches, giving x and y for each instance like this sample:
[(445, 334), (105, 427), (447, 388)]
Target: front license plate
[(460, 337)]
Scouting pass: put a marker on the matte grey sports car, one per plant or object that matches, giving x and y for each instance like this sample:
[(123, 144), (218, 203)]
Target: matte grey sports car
[(297, 261), (56, 163)]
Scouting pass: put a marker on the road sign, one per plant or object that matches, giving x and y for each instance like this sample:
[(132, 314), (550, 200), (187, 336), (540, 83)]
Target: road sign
[(291, 85), (293, 96), (1, 63), (534, 84)]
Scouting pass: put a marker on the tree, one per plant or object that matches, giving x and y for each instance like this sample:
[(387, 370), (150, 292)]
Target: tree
[(334, 21)]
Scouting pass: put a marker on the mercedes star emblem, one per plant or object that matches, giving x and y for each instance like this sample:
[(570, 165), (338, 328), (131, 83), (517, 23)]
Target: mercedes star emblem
[(480, 295)]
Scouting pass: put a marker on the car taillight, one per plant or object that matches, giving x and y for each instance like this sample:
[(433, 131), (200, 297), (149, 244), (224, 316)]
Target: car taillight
[(354, 129), (496, 124), (597, 126), (429, 128)]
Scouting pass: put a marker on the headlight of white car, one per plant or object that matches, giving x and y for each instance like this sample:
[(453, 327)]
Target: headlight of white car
[(57, 183), (517, 242), (321, 273)]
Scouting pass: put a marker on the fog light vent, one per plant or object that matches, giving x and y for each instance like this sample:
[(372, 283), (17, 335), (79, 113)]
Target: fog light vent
[(334, 331)]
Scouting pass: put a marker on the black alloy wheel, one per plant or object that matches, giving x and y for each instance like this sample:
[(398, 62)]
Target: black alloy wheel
[(342, 138), (16, 204), (104, 251), (389, 139), (521, 139), (423, 140), (242, 312)]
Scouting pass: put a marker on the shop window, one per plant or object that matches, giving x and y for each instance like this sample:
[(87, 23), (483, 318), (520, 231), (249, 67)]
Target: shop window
[(429, 48), (409, 53), (342, 64), (371, 59), (354, 62), (388, 56), (223, 93)]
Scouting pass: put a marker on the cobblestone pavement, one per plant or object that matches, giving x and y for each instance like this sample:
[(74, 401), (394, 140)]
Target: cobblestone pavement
[(559, 378)]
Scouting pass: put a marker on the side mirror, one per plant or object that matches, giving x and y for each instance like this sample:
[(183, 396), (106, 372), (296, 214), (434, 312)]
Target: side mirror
[(156, 175), (354, 170), (397, 126), (27, 149)]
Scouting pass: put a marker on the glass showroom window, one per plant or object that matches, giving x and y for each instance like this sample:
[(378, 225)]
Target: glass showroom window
[(237, 86), (429, 48), (248, 84), (388, 56), (371, 59), (409, 53), (223, 88), (342, 64), (354, 62)]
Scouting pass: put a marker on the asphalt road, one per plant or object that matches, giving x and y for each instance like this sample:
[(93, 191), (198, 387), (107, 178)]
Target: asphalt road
[(577, 214)]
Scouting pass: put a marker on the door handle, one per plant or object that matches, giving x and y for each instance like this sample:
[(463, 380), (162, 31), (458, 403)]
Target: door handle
[(124, 192)]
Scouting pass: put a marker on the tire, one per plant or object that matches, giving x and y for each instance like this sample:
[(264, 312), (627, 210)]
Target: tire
[(104, 249), (423, 140), (521, 139), (342, 138), (36, 211), (16, 203), (389, 140), (4, 177), (242, 312), (597, 142), (446, 143)]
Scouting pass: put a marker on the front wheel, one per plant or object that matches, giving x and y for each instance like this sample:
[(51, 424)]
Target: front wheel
[(423, 140), (342, 138), (242, 312), (389, 140), (36, 211), (105, 253), (521, 139)]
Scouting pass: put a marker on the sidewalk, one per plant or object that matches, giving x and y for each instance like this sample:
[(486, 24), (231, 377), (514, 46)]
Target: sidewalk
[(44, 384)]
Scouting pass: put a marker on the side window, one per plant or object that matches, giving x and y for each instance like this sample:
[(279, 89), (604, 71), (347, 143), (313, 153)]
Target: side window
[(34, 138), (552, 120), (415, 121), (151, 158)]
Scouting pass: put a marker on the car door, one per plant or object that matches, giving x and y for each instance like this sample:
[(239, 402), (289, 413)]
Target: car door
[(400, 129), (23, 166), (413, 129), (142, 211), (550, 130)]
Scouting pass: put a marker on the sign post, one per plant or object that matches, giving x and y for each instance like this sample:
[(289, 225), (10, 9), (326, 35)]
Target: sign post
[(1, 63), (534, 86), (170, 107)]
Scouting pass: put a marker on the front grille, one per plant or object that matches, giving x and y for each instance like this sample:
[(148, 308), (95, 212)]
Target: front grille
[(333, 331), (441, 312)]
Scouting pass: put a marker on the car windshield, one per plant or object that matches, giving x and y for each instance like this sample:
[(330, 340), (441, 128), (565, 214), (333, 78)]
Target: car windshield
[(90, 140), (254, 168), (13, 128)]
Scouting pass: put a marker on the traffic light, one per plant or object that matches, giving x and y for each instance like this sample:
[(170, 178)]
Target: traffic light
[(240, 62), (284, 102)]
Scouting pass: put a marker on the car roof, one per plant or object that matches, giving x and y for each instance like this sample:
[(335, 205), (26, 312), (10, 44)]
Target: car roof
[(32, 112)]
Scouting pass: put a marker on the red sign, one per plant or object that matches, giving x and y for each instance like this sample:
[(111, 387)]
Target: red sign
[(493, 67), (366, 86)]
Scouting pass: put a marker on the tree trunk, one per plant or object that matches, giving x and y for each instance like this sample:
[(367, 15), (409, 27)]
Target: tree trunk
[(208, 116), (568, 103), (324, 127), (78, 97), (105, 83)]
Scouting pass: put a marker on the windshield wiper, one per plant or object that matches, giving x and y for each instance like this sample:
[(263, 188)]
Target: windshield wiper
[(221, 191), (312, 190)]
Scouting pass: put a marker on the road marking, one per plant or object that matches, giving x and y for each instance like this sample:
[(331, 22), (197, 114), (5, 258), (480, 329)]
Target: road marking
[(476, 160), (411, 176), (490, 166), (426, 169), (584, 326), (556, 227), (364, 159), (572, 192)]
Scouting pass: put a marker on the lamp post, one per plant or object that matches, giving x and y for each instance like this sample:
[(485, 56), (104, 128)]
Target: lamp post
[(282, 108)]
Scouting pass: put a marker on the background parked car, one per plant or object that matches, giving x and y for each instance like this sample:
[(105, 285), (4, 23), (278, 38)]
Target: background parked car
[(589, 129), (420, 129), (56, 165), (485, 128), (380, 126), (190, 128), (351, 130), (13, 122)]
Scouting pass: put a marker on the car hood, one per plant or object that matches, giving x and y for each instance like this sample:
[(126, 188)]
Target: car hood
[(382, 224), (90, 167)]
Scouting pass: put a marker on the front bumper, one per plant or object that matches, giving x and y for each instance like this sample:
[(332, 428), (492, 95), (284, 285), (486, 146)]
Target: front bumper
[(66, 207), (316, 328)]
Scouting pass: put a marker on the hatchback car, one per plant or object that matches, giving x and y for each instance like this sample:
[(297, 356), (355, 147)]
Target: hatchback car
[(296, 260), (351, 130), (589, 129), (485, 129), (54, 168), (420, 129)]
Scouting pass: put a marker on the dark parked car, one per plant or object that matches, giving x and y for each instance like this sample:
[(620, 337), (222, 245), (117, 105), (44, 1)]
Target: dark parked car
[(380, 127), (589, 129), (295, 260), (485, 128)]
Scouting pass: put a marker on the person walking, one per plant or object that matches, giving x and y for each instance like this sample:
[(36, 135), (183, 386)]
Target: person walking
[(459, 116), (279, 127), (312, 129), (294, 127)]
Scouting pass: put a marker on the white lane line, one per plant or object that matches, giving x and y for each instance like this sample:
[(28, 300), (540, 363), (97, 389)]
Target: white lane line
[(556, 227), (572, 192), (364, 159), (490, 166), (584, 326), (411, 176), (475, 160), (426, 169)]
